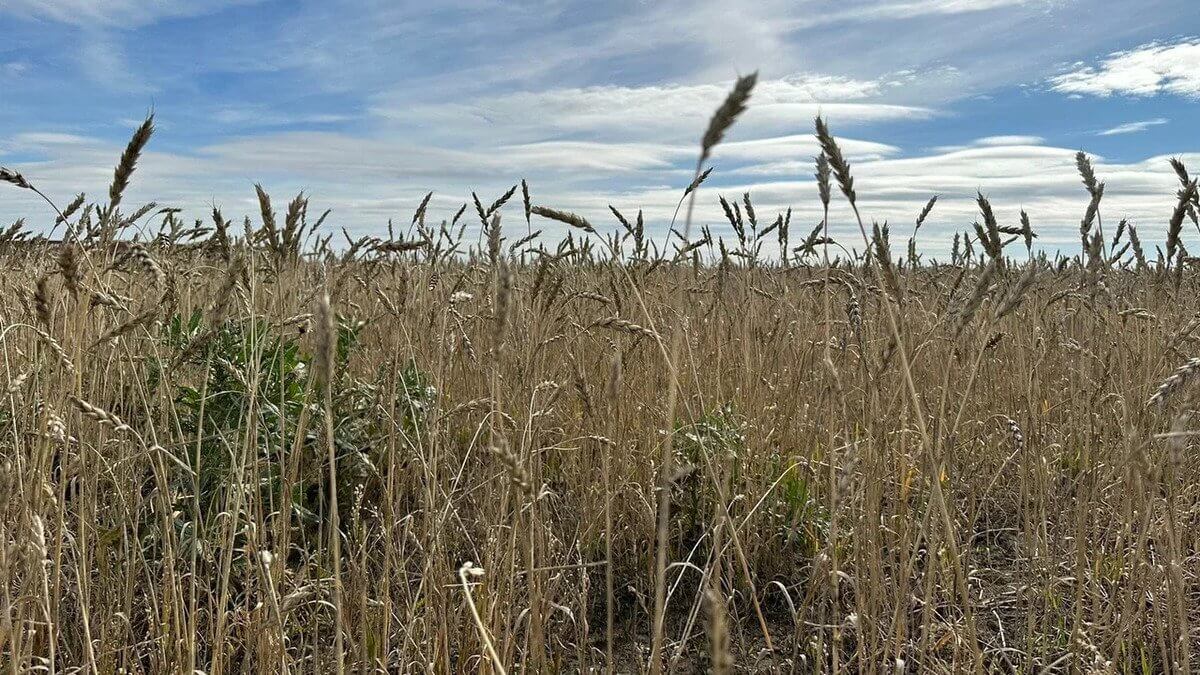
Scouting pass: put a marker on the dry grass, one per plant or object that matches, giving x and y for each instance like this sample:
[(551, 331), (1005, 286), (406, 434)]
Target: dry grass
[(264, 453)]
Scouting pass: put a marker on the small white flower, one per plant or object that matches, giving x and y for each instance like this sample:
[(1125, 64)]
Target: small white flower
[(470, 568)]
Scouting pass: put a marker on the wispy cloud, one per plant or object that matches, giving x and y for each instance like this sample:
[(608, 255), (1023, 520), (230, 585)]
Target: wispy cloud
[(992, 141), (911, 8), (45, 139), (659, 113), (1153, 68), (102, 60), (257, 116), (113, 13), (1133, 127), (988, 141), (13, 69)]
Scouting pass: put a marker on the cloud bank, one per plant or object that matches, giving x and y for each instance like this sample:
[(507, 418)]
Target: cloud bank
[(1154, 68)]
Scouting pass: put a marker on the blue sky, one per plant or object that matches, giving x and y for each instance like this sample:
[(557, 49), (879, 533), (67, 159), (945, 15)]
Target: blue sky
[(368, 104)]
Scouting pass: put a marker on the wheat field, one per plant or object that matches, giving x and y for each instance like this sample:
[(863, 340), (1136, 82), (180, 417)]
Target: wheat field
[(254, 447)]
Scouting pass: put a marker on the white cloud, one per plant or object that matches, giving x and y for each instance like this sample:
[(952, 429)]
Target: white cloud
[(13, 69), (368, 180), (564, 162), (102, 59), (1133, 127), (1153, 68), (251, 116), (42, 139), (112, 13), (990, 141), (490, 46), (798, 146), (987, 141), (912, 8), (658, 113)]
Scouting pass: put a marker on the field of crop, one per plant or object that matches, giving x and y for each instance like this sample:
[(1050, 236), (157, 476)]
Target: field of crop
[(251, 448)]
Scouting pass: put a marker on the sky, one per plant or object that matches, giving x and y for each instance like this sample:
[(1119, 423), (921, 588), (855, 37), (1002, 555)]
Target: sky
[(366, 105)]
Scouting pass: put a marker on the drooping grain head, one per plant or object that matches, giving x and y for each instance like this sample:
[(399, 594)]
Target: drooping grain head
[(727, 114), (13, 178), (565, 217), (697, 181)]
